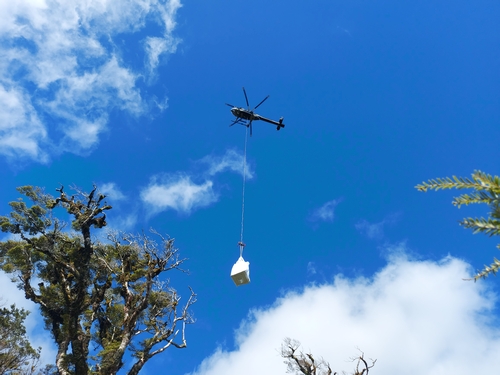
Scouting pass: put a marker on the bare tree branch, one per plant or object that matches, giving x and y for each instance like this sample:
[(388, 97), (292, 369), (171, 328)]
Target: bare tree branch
[(300, 363)]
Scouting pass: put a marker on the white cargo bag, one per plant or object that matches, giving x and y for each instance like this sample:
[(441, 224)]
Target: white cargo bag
[(240, 273)]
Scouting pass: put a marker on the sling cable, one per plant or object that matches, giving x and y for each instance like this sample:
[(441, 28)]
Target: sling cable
[(240, 273)]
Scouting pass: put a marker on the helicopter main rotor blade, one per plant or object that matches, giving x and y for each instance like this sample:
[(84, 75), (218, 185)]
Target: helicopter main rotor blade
[(246, 98), (263, 100), (235, 121), (230, 105)]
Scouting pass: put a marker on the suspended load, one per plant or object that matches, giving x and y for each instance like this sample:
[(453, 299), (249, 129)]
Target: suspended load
[(240, 273)]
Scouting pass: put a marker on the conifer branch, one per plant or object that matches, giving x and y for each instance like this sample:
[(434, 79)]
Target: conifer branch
[(480, 181), (492, 268), (486, 190), (475, 197), (490, 227)]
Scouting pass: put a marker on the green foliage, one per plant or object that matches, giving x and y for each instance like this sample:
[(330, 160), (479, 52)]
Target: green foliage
[(486, 190), (97, 299), (480, 181), (17, 356), (25, 219)]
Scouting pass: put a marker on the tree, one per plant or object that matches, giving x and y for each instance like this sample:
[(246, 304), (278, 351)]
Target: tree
[(486, 189), (299, 362), (104, 293), (17, 356)]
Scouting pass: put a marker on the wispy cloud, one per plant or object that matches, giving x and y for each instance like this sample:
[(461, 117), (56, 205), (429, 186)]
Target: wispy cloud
[(375, 231), (62, 71), (372, 231), (167, 43), (231, 160), (343, 31), (118, 223), (311, 268), (177, 192), (21, 130), (181, 192), (414, 317), (326, 212), (111, 190)]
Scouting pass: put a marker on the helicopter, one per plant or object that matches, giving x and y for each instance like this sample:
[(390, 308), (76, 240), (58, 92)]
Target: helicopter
[(246, 116)]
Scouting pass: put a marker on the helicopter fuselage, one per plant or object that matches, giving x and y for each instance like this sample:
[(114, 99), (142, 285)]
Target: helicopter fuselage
[(245, 114)]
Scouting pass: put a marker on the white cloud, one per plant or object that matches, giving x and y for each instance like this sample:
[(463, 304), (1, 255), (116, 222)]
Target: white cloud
[(414, 317), (125, 223), (231, 160), (21, 131), (326, 212), (375, 231), (311, 268), (112, 191), (180, 193), (372, 231), (155, 47), (177, 192), (62, 72)]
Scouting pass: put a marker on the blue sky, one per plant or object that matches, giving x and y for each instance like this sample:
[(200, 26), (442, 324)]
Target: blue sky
[(344, 252)]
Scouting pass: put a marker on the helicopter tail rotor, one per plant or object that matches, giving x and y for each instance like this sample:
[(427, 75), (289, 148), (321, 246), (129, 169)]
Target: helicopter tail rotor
[(281, 125)]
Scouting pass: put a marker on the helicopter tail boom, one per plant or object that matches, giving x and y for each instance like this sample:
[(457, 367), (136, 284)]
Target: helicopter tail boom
[(279, 124)]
